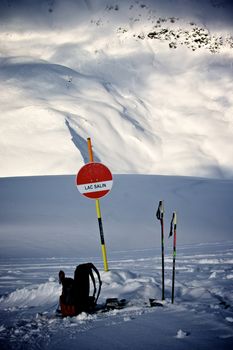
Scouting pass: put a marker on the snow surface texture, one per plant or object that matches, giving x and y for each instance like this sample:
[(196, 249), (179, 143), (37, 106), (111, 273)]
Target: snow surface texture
[(201, 317), (47, 216), (46, 225), (149, 81)]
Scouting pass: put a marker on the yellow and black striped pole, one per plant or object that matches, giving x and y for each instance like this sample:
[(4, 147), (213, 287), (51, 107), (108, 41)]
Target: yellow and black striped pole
[(104, 254), (98, 212)]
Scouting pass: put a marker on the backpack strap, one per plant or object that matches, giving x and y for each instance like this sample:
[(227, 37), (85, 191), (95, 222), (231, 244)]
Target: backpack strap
[(93, 281), (92, 267)]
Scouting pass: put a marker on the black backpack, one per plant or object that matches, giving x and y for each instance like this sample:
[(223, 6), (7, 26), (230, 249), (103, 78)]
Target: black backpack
[(81, 288)]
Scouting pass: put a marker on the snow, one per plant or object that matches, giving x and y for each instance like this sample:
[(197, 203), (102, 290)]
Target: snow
[(181, 334), (151, 83), (201, 315), (43, 209), (46, 225), (88, 68)]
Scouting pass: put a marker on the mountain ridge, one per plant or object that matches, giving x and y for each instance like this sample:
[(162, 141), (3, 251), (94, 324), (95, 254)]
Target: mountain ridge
[(116, 77)]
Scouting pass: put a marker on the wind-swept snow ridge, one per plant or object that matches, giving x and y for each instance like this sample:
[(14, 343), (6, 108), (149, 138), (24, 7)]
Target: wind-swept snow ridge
[(120, 283), (40, 295)]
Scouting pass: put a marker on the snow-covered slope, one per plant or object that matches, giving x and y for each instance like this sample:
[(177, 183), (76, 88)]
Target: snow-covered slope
[(46, 216), (149, 81)]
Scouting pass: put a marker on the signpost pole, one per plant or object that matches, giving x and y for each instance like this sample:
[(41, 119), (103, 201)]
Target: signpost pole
[(97, 202), (98, 212)]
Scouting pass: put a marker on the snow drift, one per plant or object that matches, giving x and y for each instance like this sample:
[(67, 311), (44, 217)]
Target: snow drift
[(200, 317)]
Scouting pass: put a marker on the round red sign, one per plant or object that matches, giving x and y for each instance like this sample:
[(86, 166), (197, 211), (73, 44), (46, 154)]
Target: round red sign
[(94, 180)]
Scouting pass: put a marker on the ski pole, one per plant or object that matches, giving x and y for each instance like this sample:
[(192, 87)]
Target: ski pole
[(173, 230), (159, 215)]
